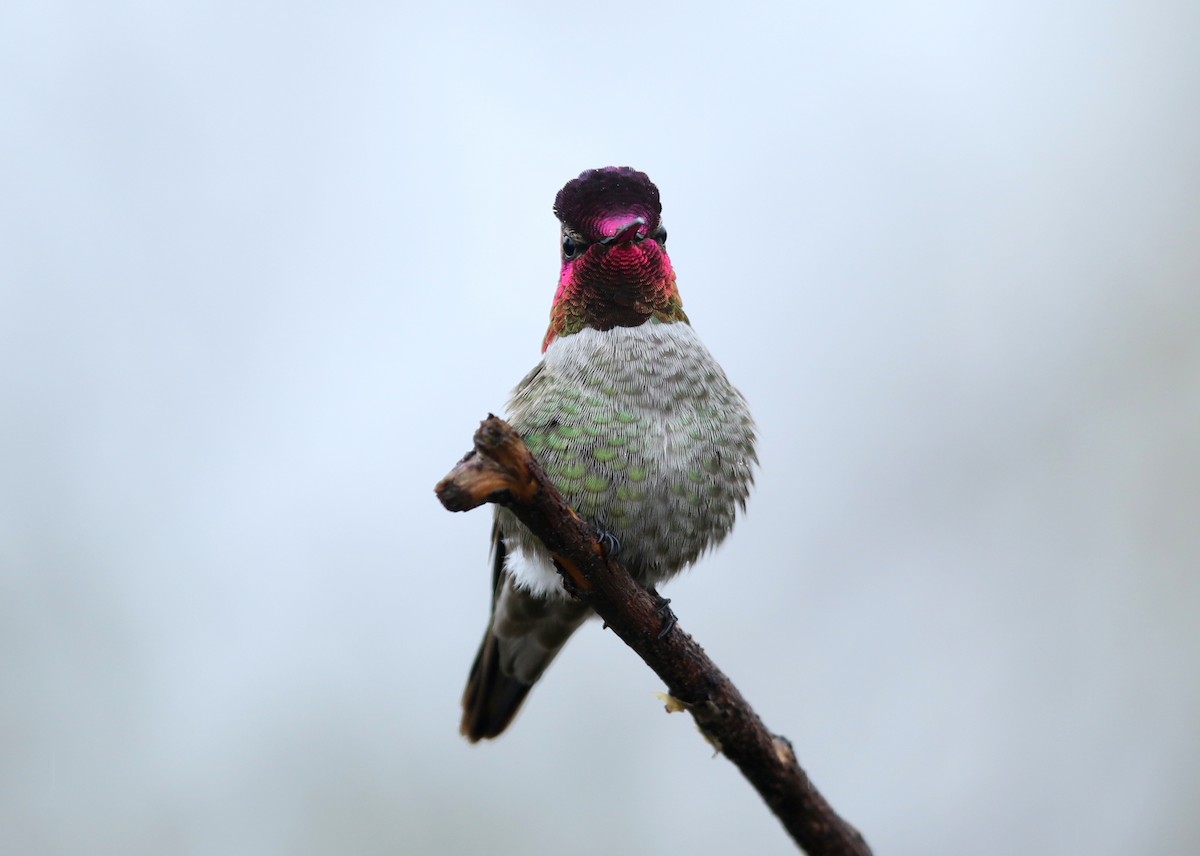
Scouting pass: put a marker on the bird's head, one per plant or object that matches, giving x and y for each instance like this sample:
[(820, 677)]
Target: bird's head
[(615, 268)]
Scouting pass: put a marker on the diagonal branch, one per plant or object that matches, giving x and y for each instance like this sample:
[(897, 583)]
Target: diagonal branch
[(501, 470)]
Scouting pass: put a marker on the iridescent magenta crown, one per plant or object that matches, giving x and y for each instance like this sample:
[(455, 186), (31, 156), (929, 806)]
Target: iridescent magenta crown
[(600, 198)]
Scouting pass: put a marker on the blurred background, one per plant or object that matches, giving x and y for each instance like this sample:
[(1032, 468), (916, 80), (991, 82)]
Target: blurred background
[(264, 267)]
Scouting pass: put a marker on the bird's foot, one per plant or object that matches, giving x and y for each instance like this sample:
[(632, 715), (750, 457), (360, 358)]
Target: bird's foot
[(610, 542), (663, 610)]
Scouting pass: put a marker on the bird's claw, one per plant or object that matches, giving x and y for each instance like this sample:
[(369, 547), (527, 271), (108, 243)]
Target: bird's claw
[(610, 542), (663, 610)]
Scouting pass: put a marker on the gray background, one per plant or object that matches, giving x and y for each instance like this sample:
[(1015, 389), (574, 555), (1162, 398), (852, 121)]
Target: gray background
[(263, 267)]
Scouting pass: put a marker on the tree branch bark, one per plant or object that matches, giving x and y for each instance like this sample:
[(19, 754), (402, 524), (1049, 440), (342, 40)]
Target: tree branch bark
[(501, 470)]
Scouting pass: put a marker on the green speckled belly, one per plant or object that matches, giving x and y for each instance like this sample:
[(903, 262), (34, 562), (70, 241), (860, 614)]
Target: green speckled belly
[(645, 437)]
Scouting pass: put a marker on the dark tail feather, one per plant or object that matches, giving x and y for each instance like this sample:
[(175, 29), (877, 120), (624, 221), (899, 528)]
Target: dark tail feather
[(491, 698), (534, 629)]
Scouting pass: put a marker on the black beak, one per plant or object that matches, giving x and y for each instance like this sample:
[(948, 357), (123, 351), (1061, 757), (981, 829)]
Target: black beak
[(627, 233)]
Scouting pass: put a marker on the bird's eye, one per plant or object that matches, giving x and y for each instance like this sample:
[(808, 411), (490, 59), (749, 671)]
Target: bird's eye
[(569, 247)]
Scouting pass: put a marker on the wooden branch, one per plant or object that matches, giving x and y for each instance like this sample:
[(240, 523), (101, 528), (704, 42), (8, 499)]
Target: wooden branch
[(501, 470)]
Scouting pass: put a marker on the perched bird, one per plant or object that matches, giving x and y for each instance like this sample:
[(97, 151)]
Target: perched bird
[(631, 418)]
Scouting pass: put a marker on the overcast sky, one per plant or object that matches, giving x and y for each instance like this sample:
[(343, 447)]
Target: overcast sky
[(264, 266)]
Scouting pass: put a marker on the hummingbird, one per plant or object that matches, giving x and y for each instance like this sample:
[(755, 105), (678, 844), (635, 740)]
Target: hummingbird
[(633, 421)]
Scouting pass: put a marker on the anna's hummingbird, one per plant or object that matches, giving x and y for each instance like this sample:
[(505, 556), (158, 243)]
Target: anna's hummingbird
[(631, 418)]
